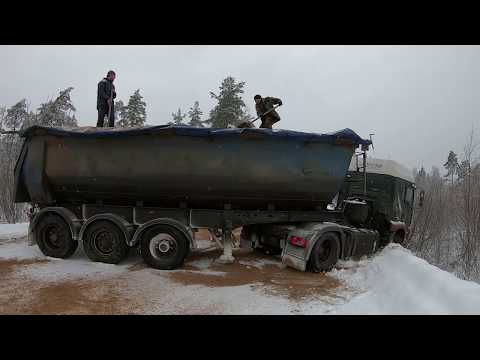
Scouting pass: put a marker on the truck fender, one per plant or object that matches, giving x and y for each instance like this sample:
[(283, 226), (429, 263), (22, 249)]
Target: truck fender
[(69, 217), (163, 221), (322, 229), (124, 225)]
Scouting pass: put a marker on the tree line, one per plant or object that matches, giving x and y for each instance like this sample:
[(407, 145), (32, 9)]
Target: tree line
[(58, 112), (229, 111), (446, 228), (54, 112)]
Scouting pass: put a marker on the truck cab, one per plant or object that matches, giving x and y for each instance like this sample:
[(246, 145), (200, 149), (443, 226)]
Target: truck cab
[(372, 209), (390, 192)]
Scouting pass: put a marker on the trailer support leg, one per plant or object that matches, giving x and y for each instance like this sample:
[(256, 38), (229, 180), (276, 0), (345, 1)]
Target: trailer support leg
[(227, 257)]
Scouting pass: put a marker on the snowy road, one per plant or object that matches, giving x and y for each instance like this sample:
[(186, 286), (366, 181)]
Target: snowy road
[(391, 282)]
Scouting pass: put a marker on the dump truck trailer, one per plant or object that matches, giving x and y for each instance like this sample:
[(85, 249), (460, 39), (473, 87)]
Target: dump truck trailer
[(151, 188)]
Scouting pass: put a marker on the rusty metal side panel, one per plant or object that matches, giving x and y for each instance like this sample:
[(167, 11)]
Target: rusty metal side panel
[(164, 170)]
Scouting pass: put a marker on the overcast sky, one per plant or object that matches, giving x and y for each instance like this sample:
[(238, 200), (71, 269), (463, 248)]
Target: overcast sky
[(420, 101)]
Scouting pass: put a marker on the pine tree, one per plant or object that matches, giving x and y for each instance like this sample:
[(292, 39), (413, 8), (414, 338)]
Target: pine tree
[(195, 115), (135, 113), (16, 115), (246, 116), (230, 107), (32, 119), (422, 174), (435, 174), (13, 118), (58, 112), (178, 117), (120, 114), (420, 177), (451, 165)]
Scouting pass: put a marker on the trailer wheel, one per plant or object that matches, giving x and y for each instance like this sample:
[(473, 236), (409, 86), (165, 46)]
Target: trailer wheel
[(164, 247), (325, 253), (54, 237), (104, 242)]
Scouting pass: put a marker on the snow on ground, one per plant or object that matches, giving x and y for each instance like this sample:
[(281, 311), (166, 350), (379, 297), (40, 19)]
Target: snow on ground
[(393, 281), (13, 230), (397, 282), (260, 263), (202, 264)]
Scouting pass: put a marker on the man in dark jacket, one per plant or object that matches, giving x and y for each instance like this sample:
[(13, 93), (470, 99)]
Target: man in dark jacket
[(105, 95), (262, 105)]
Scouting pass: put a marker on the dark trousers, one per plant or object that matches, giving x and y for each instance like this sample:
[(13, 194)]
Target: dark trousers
[(102, 113), (267, 122)]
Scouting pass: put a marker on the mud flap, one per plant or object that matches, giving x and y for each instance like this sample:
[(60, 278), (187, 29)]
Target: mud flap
[(293, 256)]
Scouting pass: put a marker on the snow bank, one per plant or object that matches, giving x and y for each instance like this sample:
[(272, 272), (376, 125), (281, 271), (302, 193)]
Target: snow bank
[(14, 250), (397, 282), (13, 230)]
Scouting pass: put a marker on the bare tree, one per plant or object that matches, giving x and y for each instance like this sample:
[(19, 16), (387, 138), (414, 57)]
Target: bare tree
[(3, 115), (431, 224), (446, 229), (468, 211)]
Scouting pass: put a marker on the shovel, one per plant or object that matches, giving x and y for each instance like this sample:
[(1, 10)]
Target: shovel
[(265, 113)]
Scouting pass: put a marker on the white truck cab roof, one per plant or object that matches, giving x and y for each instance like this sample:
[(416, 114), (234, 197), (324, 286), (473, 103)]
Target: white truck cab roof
[(385, 167)]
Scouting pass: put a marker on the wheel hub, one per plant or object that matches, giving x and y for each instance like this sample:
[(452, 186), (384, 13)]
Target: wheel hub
[(52, 237), (162, 245), (104, 243)]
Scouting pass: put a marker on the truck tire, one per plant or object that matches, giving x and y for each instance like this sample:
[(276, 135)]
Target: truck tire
[(103, 241), (54, 237), (163, 247), (325, 253)]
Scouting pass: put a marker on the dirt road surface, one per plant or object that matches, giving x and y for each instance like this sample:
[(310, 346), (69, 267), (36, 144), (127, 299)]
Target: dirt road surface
[(254, 284)]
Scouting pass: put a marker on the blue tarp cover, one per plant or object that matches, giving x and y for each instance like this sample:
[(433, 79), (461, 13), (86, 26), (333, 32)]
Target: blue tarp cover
[(185, 130)]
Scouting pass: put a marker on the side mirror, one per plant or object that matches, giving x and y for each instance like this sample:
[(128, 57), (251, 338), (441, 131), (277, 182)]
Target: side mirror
[(422, 196)]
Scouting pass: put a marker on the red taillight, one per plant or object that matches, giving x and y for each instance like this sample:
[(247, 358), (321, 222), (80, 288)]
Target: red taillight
[(298, 241)]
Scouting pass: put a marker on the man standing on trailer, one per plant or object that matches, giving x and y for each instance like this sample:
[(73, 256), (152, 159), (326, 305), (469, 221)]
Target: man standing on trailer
[(262, 105), (105, 95)]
